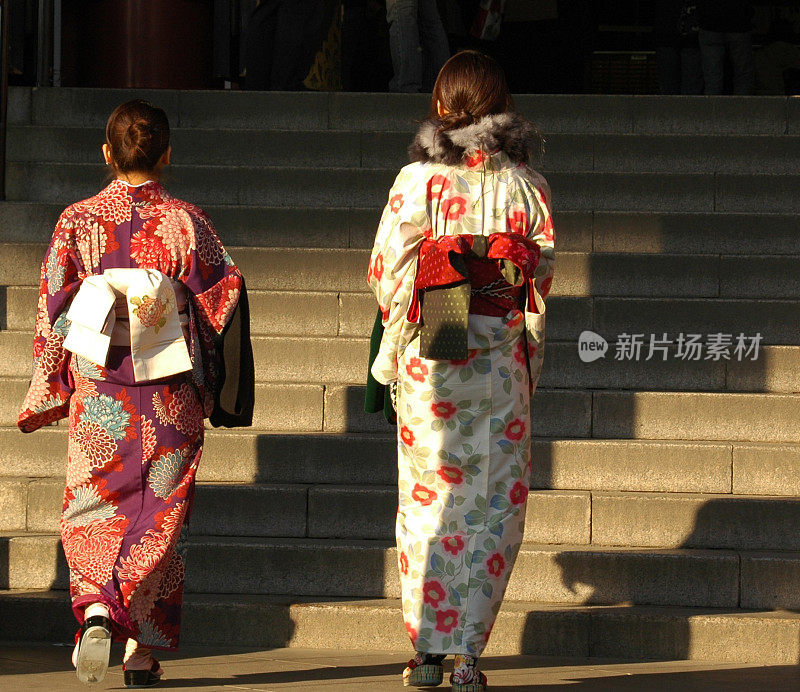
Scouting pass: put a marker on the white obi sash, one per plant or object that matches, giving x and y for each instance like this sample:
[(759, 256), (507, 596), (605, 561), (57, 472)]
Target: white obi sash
[(142, 308)]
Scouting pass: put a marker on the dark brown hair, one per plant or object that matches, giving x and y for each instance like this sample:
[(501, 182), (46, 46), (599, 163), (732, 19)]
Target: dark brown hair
[(138, 135), (469, 86)]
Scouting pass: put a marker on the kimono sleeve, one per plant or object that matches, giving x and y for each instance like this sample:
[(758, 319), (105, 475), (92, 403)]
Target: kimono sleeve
[(393, 264), (51, 383), (542, 233), (215, 285), (213, 280)]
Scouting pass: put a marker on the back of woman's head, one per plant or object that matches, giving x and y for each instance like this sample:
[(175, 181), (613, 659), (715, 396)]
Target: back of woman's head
[(469, 86), (138, 135)]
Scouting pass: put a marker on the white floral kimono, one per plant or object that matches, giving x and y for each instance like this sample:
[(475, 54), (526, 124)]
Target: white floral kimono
[(463, 426)]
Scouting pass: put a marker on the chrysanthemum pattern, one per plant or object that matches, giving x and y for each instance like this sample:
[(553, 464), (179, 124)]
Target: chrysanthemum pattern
[(86, 506), (161, 410), (92, 442), (209, 249), (144, 557), (185, 411), (112, 204), (165, 474), (108, 413), (92, 239), (176, 230), (92, 549), (150, 635), (149, 439), (148, 251), (144, 597), (219, 302)]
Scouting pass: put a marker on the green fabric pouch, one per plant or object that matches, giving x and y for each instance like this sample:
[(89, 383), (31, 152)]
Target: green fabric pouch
[(377, 397)]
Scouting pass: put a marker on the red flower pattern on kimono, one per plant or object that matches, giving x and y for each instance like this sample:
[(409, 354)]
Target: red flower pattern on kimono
[(545, 286), (454, 208), (451, 474), (495, 564), (425, 496), (518, 494), (94, 546), (453, 544), (407, 436), (417, 369), (517, 318), (476, 159), (412, 633), (443, 409), (403, 561), (433, 593), (396, 203), (437, 185), (377, 270), (515, 429), (446, 620), (547, 229)]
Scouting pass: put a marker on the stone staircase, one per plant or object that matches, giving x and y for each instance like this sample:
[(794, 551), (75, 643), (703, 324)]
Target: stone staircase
[(664, 515)]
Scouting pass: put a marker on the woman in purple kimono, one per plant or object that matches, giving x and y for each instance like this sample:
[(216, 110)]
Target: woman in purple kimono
[(136, 408)]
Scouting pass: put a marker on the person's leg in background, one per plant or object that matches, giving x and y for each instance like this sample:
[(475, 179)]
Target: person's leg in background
[(354, 36), (298, 36), (712, 55), (259, 45), (405, 47), (740, 52), (435, 46)]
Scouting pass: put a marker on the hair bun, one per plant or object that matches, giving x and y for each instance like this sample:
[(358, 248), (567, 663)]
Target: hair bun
[(139, 135)]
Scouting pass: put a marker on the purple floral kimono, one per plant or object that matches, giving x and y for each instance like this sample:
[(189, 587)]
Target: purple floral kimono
[(134, 447)]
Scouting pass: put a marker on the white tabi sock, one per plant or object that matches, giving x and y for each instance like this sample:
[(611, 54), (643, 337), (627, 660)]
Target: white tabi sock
[(96, 609), (90, 611)]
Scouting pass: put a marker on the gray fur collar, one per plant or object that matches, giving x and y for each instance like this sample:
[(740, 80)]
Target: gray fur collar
[(507, 132)]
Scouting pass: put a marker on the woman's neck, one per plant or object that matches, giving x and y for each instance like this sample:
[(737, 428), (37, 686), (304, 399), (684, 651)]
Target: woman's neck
[(137, 178)]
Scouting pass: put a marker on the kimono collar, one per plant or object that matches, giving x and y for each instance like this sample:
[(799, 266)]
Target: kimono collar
[(508, 133), (150, 188)]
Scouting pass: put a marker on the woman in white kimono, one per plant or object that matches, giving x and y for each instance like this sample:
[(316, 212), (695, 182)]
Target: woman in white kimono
[(461, 266)]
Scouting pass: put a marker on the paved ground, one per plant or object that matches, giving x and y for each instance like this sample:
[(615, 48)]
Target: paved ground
[(46, 667)]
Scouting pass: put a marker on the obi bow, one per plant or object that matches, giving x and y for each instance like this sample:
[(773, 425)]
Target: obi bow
[(443, 287), (131, 307)]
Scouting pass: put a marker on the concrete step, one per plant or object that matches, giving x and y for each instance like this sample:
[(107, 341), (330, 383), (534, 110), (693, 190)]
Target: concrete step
[(619, 275), (350, 111), (728, 233), (543, 573), (367, 187), (250, 456), (631, 632), (624, 519), (563, 152)]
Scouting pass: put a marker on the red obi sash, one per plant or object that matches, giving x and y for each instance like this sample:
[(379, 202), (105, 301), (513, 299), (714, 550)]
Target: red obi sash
[(483, 262)]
